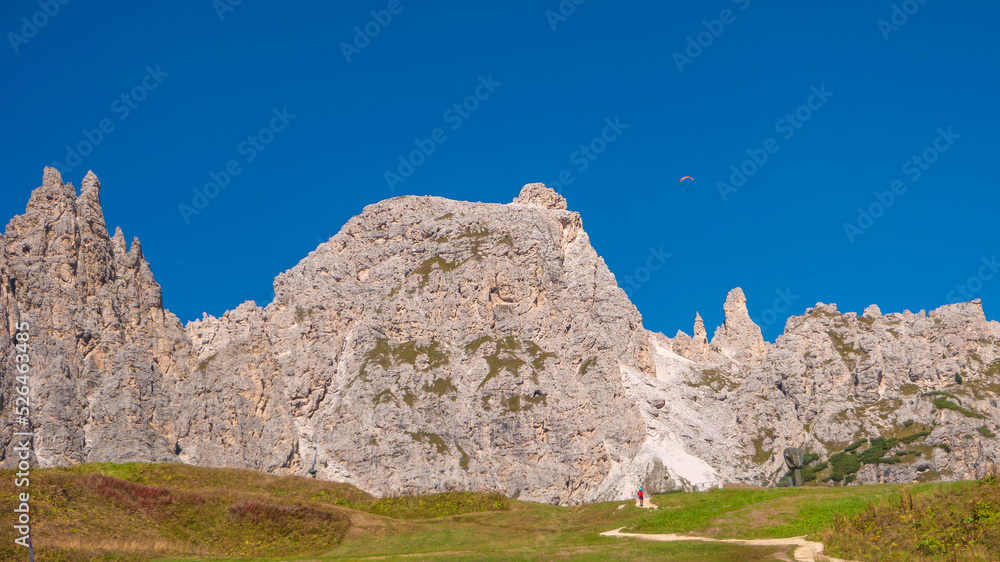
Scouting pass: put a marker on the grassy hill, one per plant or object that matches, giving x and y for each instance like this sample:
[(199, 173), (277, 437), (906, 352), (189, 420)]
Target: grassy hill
[(173, 511)]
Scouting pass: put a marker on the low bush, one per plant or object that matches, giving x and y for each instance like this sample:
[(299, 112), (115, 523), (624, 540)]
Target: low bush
[(943, 403), (913, 437), (879, 447), (437, 505), (843, 464), (856, 444)]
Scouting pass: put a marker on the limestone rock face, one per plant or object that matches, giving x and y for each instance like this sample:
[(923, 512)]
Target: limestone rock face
[(446, 345), (829, 380), (103, 351), (700, 337), (738, 337), (539, 195), (449, 345)]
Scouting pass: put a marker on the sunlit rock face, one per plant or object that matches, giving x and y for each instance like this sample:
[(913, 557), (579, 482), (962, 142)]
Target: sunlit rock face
[(449, 345)]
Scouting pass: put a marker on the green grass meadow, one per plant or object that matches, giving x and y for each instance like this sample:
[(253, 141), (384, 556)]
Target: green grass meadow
[(135, 511)]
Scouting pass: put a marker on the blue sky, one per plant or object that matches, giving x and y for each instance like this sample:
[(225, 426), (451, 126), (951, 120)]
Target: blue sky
[(839, 104)]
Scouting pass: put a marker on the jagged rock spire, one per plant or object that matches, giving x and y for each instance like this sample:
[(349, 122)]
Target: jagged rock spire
[(738, 336), (51, 177), (90, 181), (99, 311), (700, 335)]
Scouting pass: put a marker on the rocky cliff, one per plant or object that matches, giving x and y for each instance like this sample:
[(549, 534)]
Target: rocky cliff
[(447, 345), (452, 345), (914, 394), (103, 350)]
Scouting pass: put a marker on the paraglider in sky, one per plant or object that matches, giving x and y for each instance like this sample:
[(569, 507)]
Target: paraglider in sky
[(686, 178)]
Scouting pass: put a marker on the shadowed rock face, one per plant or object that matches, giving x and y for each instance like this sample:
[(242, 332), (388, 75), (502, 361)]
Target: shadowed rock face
[(456, 345)]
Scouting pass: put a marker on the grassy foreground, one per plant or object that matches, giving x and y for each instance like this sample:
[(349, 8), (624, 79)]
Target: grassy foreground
[(178, 512)]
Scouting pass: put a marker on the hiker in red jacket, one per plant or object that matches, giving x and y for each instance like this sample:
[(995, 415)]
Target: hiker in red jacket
[(640, 497)]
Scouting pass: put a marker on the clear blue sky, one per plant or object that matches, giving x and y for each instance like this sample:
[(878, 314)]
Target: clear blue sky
[(215, 82)]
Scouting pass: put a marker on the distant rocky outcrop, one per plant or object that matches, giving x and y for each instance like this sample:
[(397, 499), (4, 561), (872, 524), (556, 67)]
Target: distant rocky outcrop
[(452, 345), (738, 337), (929, 381)]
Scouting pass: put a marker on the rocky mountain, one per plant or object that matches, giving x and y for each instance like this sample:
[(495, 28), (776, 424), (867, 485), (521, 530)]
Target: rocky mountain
[(104, 353), (926, 384), (435, 344)]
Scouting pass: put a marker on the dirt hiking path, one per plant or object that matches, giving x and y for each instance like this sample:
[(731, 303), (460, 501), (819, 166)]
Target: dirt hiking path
[(804, 551)]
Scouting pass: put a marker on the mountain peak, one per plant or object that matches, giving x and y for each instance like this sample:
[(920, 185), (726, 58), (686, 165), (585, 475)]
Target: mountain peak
[(540, 196), (51, 177), (738, 337)]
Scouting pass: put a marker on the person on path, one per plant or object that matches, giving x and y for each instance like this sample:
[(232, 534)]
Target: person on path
[(640, 497)]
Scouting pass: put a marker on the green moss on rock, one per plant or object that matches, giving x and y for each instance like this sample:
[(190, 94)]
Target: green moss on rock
[(428, 265), (441, 386), (464, 461), (431, 439), (847, 351), (204, 364)]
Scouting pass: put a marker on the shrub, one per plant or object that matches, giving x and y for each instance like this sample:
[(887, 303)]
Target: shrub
[(907, 423), (129, 494), (955, 523), (958, 378), (843, 464), (984, 430), (943, 404), (879, 447), (809, 472), (856, 444), (915, 436)]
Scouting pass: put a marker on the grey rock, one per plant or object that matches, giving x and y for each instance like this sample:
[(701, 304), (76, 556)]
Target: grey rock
[(472, 346)]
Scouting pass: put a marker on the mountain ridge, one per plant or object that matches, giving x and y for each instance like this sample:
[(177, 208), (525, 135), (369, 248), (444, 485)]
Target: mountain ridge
[(460, 345)]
